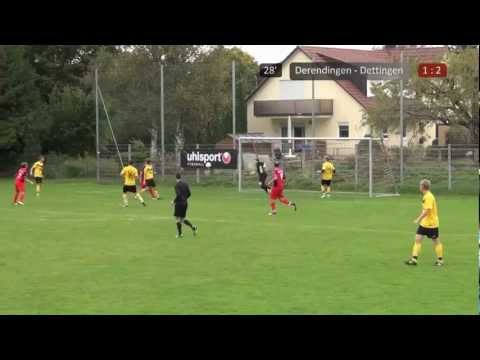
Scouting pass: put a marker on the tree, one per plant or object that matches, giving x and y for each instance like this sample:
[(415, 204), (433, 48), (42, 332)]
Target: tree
[(72, 120), (197, 85), (452, 100), (30, 77), (20, 103), (62, 65)]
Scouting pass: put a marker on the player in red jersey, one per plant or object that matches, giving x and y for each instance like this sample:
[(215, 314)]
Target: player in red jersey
[(143, 182), (20, 178), (278, 184)]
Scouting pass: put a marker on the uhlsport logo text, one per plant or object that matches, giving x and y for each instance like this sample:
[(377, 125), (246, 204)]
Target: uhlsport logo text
[(225, 157)]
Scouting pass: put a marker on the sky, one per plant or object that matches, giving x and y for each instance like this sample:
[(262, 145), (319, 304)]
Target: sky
[(276, 53)]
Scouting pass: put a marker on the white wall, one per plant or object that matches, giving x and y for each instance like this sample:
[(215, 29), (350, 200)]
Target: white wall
[(412, 138), (345, 108)]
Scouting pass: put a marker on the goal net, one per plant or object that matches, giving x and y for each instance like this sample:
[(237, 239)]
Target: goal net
[(362, 165)]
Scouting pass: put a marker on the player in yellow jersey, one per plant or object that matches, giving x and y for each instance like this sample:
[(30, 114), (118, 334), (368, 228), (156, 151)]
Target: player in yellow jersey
[(149, 178), (428, 225), (37, 172), (130, 175), (328, 170)]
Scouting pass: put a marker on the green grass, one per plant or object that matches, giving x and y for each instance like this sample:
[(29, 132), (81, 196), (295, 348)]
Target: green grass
[(74, 250)]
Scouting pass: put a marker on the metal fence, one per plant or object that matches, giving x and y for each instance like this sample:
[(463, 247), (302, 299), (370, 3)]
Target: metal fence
[(162, 102), (452, 169), (110, 165)]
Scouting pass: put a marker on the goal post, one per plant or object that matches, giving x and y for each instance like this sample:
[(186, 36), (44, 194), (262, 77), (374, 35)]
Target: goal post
[(362, 164)]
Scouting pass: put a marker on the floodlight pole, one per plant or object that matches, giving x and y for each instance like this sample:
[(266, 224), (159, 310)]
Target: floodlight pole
[(97, 126), (370, 168), (234, 119), (313, 111), (289, 134), (162, 121), (239, 165), (401, 121)]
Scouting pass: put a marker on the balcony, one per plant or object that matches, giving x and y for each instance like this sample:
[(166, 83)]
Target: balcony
[(321, 107)]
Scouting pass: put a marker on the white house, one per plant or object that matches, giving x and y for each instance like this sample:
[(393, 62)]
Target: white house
[(337, 105)]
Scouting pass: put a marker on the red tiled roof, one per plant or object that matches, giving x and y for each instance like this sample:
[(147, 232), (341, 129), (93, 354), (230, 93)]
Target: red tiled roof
[(421, 54), (323, 54), (355, 92), (319, 54), (390, 55)]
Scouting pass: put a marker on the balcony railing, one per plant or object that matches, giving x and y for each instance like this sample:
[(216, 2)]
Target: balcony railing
[(293, 107)]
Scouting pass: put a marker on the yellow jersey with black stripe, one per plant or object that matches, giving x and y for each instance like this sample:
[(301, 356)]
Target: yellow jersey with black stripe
[(430, 204), (129, 174), (38, 169), (327, 170), (148, 171)]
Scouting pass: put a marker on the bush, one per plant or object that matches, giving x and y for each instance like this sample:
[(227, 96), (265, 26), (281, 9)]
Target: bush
[(61, 166), (80, 167), (139, 151), (458, 135)]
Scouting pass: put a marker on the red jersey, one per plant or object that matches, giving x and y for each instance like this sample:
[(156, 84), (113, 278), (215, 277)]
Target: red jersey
[(278, 178), (21, 174)]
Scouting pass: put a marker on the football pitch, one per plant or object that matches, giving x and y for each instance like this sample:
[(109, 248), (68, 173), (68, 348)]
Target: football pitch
[(75, 250)]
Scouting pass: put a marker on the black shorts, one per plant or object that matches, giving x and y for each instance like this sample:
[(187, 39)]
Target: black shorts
[(181, 210), (38, 180), (326, 182), (150, 182), (129, 188), (431, 233)]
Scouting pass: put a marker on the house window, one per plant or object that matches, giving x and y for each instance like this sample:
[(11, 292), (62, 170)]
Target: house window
[(343, 130), (298, 131)]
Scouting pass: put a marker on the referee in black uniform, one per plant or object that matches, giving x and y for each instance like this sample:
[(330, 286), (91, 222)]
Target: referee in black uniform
[(182, 192)]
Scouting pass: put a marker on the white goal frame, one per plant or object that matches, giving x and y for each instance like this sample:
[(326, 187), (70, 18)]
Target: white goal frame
[(290, 139)]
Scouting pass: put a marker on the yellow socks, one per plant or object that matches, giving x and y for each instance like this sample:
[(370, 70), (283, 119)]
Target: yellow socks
[(439, 251), (416, 249)]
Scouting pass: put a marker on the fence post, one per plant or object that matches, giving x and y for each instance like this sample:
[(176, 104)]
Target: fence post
[(234, 148), (449, 167), (198, 170), (239, 165), (97, 126), (356, 167), (402, 125), (162, 121), (129, 152), (370, 168)]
